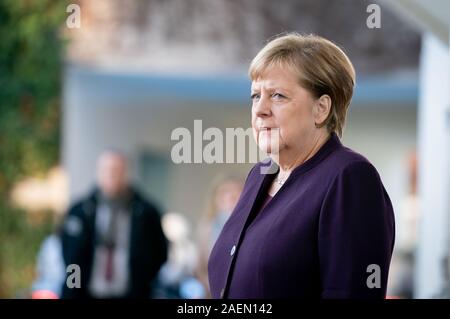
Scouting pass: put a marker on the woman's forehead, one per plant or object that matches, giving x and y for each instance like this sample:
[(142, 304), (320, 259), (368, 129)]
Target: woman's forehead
[(275, 78)]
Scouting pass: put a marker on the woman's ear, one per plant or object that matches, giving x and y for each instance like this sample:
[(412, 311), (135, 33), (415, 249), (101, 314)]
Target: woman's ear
[(322, 109)]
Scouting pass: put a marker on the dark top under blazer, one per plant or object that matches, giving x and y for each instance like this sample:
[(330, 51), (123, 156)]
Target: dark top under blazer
[(316, 238)]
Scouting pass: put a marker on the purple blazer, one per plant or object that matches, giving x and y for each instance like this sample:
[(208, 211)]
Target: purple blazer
[(328, 233)]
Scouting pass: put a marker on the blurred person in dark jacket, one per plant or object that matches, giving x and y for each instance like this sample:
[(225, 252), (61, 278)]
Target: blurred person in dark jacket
[(114, 236)]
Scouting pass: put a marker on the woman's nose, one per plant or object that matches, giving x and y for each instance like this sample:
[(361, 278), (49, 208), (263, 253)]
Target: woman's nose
[(263, 107)]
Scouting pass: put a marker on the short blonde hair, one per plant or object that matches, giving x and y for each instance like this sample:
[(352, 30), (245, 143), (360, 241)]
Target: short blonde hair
[(321, 67)]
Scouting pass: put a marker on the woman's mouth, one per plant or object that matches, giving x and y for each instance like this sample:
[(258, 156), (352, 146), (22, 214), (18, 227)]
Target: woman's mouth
[(267, 128), (268, 138)]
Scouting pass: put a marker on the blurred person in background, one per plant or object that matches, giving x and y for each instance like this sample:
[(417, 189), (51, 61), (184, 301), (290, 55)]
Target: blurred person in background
[(114, 235), (225, 192), (50, 270), (176, 277), (401, 280), (320, 224)]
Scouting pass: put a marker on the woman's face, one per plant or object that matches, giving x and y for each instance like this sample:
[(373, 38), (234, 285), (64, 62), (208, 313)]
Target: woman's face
[(281, 106)]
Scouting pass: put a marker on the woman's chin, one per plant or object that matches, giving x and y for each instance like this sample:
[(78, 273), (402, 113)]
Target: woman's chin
[(264, 146), (268, 148)]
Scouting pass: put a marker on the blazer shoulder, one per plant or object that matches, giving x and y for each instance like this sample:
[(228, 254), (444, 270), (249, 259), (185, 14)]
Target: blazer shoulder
[(346, 159)]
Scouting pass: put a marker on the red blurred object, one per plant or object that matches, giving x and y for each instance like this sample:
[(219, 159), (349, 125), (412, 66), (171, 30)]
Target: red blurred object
[(44, 294)]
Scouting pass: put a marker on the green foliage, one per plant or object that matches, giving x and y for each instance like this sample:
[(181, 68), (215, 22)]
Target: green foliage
[(31, 53)]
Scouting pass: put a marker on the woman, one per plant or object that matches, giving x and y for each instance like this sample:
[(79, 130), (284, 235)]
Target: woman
[(221, 202), (322, 225)]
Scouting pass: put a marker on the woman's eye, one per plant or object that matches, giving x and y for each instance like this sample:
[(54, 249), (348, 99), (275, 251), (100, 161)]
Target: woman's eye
[(254, 97), (278, 96)]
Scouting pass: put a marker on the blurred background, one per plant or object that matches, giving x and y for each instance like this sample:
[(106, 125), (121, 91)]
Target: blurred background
[(133, 71)]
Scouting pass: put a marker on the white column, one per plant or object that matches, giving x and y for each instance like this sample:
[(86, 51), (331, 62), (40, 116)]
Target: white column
[(434, 167)]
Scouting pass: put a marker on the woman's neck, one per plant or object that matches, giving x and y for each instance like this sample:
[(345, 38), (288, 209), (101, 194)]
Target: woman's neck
[(288, 161)]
